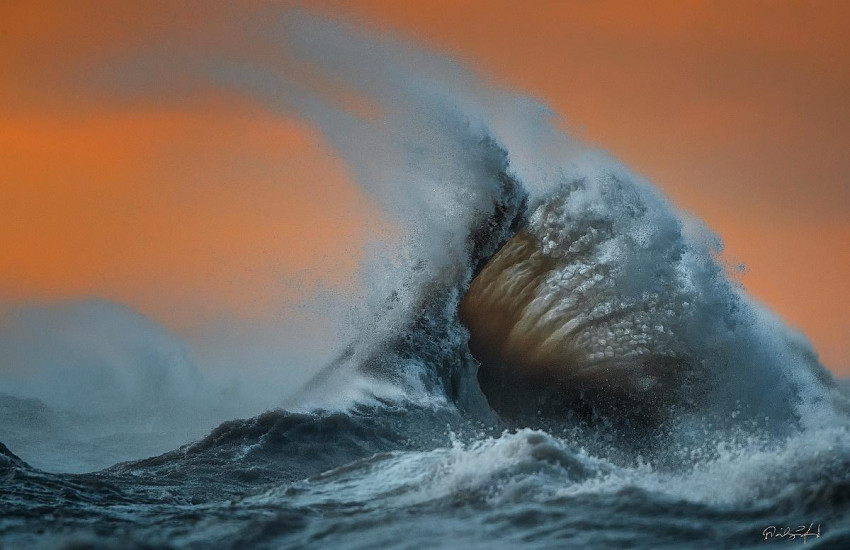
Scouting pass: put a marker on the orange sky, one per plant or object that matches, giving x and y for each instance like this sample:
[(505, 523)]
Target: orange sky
[(209, 205)]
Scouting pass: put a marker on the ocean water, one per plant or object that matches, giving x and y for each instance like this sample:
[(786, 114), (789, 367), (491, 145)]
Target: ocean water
[(400, 478), (420, 458), (550, 356)]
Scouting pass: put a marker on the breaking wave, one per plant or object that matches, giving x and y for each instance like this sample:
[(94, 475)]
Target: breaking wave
[(548, 354)]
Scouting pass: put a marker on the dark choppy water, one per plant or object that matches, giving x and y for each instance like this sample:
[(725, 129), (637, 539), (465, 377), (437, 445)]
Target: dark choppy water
[(415, 477)]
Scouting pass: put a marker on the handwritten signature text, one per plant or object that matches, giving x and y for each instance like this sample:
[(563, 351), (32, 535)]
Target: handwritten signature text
[(792, 533)]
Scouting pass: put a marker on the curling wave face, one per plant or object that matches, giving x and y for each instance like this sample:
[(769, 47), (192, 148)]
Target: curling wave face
[(603, 305)]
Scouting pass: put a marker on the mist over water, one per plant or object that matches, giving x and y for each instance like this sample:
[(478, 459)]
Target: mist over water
[(572, 275)]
